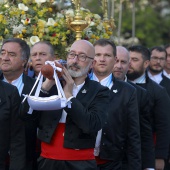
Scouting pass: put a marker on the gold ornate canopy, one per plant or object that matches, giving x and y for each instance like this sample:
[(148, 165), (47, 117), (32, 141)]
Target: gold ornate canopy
[(78, 24)]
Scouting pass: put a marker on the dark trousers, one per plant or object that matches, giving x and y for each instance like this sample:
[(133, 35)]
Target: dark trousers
[(110, 166), (50, 164), (167, 165)]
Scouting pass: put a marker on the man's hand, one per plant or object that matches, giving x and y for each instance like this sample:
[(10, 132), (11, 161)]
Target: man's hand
[(47, 84), (159, 164), (69, 82)]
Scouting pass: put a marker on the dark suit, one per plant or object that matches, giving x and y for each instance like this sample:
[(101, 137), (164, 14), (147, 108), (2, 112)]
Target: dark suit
[(121, 131), (12, 135), (160, 107), (31, 124), (147, 145), (85, 117), (165, 83)]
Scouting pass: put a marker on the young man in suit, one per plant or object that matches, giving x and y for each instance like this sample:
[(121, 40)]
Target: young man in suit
[(156, 66), (68, 135), (159, 102), (147, 148), (155, 71), (15, 53), (121, 132), (12, 134)]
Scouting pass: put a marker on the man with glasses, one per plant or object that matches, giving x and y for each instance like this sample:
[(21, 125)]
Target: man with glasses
[(166, 70), (159, 100), (155, 72), (68, 135), (156, 66)]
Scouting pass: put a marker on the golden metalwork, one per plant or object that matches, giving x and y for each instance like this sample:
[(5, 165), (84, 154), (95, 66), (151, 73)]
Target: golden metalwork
[(77, 24), (109, 22)]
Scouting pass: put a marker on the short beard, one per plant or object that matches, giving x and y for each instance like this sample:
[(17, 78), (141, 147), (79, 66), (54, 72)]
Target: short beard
[(155, 71), (81, 72), (134, 75)]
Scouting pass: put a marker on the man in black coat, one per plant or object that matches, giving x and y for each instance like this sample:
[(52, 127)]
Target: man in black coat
[(156, 66), (159, 102), (121, 132), (12, 134), (14, 56), (147, 148), (166, 70), (155, 71), (68, 135)]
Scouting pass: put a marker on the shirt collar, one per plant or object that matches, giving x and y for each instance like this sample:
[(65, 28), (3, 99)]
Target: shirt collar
[(141, 79), (166, 74), (107, 81), (157, 78)]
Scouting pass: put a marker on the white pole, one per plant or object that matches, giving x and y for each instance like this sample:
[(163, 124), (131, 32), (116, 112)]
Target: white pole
[(119, 22), (133, 21), (112, 9)]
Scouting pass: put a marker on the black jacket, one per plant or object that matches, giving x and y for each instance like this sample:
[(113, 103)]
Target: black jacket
[(85, 117), (121, 132), (160, 110), (147, 145), (30, 120), (12, 134)]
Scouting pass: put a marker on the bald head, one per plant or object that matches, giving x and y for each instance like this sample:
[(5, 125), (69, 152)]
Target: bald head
[(122, 63), (84, 46), (80, 58), (122, 51)]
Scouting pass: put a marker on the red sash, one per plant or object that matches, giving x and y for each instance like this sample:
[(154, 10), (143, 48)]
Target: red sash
[(55, 149)]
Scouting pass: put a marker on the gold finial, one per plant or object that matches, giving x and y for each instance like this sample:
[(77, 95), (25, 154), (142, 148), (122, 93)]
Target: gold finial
[(110, 23), (77, 23), (77, 4)]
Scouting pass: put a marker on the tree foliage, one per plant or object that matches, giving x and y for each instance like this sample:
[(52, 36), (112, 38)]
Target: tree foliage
[(151, 26)]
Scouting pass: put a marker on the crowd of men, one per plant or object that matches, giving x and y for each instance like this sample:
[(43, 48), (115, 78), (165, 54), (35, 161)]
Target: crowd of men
[(119, 118)]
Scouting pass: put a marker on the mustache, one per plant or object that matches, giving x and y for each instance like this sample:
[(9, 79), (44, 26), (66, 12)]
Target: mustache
[(74, 65), (157, 65)]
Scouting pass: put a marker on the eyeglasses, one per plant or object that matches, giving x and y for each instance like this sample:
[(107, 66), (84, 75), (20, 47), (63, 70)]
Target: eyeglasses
[(157, 59), (81, 57)]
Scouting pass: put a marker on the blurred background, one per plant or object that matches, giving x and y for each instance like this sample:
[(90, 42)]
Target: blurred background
[(148, 20)]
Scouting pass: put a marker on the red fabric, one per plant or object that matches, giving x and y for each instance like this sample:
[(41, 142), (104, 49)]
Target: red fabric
[(55, 149), (100, 161), (154, 138)]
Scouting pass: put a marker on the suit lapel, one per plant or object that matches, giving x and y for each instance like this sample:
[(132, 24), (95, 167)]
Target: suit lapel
[(116, 86)]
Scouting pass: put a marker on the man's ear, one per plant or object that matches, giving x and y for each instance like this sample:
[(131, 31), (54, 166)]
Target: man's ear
[(146, 64), (24, 64), (93, 63)]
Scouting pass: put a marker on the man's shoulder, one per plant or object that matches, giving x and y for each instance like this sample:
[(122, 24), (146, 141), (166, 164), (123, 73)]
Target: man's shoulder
[(8, 88), (29, 79), (7, 85), (138, 88), (94, 84), (154, 85), (165, 79), (123, 84)]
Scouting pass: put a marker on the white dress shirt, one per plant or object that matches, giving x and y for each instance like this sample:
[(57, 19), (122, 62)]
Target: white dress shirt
[(76, 89), (18, 83), (156, 78), (108, 83), (166, 74)]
